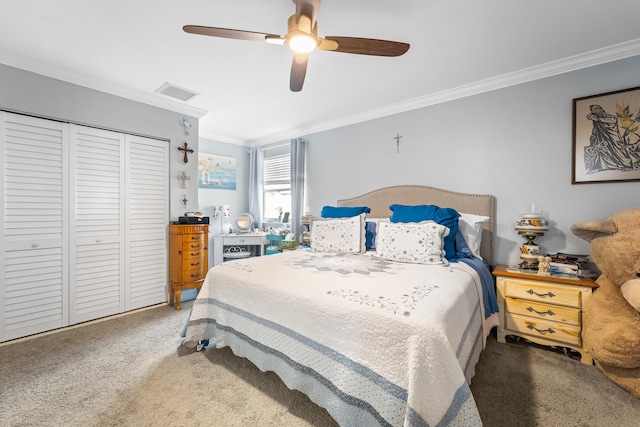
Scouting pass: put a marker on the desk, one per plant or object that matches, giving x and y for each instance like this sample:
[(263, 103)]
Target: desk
[(220, 241)]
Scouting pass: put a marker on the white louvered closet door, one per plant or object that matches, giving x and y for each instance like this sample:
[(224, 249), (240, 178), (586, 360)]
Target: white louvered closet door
[(97, 250), (147, 217), (33, 273)]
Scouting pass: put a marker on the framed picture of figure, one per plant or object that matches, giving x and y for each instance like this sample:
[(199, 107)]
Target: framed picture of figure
[(606, 137)]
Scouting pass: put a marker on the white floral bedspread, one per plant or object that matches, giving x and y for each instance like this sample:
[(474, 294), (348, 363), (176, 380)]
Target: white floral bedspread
[(375, 342)]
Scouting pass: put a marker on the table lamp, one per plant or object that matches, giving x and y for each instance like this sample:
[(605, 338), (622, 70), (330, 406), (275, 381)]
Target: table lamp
[(531, 225)]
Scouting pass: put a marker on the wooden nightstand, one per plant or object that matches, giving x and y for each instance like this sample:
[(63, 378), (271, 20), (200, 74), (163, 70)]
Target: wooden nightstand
[(544, 309)]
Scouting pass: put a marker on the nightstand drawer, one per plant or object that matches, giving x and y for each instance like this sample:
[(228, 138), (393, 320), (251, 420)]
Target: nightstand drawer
[(524, 325), (543, 292), (539, 310), (193, 275)]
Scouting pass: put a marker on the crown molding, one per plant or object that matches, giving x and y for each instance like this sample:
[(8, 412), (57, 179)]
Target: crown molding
[(69, 76), (573, 63), (596, 57)]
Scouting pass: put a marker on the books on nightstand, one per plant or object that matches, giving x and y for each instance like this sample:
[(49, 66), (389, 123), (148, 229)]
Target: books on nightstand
[(572, 265)]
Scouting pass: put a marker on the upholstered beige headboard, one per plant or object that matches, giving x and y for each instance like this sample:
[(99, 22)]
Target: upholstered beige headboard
[(479, 204)]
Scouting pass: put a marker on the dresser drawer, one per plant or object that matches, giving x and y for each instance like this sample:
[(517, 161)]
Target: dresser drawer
[(543, 292), (193, 241), (193, 275), (193, 263), (528, 326), (196, 253), (538, 310)]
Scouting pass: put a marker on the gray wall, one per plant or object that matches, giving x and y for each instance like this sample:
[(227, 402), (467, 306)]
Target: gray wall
[(237, 200), (25, 92), (514, 143)]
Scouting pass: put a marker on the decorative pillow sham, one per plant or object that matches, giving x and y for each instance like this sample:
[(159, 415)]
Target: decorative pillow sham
[(411, 242), (444, 216), (343, 211), (338, 235), (470, 225)]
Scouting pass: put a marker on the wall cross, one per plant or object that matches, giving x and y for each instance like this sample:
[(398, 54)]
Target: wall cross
[(186, 150), (184, 178), (397, 138)]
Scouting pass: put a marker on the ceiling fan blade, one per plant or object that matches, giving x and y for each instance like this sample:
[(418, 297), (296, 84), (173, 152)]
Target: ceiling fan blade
[(227, 33), (363, 46), (298, 71), (308, 8)]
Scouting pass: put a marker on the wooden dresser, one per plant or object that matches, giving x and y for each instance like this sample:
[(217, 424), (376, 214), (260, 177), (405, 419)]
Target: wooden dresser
[(544, 309), (188, 258)]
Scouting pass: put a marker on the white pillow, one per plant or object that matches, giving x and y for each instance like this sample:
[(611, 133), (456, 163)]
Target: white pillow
[(418, 243), (338, 235), (470, 225)]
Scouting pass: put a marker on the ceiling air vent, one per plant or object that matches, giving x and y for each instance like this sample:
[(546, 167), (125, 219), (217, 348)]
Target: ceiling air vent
[(176, 92)]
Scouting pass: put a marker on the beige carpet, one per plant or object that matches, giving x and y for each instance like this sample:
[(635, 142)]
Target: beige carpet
[(130, 371)]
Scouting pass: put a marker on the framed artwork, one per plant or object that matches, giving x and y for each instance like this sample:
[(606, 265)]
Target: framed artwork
[(606, 137), (216, 172), (285, 218)]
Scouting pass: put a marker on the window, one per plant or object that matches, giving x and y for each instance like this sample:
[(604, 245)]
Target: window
[(277, 186)]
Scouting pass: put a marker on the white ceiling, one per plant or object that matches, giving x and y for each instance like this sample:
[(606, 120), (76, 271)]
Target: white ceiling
[(458, 47)]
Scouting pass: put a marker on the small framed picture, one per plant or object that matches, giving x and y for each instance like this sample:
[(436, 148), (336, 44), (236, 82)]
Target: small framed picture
[(285, 218), (606, 137)]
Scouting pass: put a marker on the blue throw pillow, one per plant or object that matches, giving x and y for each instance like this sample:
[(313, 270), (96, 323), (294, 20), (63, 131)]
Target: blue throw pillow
[(343, 211), (445, 216)]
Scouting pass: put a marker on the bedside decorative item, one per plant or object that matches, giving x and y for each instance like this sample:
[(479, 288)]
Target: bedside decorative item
[(530, 226), (543, 265), (289, 244)]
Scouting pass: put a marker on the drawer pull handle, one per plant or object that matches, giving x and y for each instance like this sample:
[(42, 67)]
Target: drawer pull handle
[(195, 238), (541, 313), (193, 264), (548, 294), (541, 331), (195, 246), (195, 275), (196, 254)]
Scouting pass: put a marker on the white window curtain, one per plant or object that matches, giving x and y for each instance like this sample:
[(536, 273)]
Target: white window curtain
[(297, 185), (256, 161)]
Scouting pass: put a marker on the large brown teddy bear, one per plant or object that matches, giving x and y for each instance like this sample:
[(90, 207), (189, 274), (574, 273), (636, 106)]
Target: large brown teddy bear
[(611, 331)]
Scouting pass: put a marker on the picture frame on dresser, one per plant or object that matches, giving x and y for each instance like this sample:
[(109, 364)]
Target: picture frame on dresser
[(606, 137)]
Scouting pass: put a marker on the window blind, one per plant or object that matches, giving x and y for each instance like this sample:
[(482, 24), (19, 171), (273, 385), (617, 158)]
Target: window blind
[(277, 170)]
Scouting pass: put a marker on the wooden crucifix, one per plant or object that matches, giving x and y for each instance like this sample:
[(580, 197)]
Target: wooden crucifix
[(186, 150), (397, 138)]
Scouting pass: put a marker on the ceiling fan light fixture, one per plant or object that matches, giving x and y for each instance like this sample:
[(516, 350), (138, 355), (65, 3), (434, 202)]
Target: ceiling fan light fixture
[(302, 43)]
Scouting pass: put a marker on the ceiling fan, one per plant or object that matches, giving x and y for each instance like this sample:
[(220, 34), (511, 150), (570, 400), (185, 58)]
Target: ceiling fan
[(302, 38)]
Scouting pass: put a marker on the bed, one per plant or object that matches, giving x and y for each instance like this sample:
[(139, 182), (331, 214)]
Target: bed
[(374, 340)]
